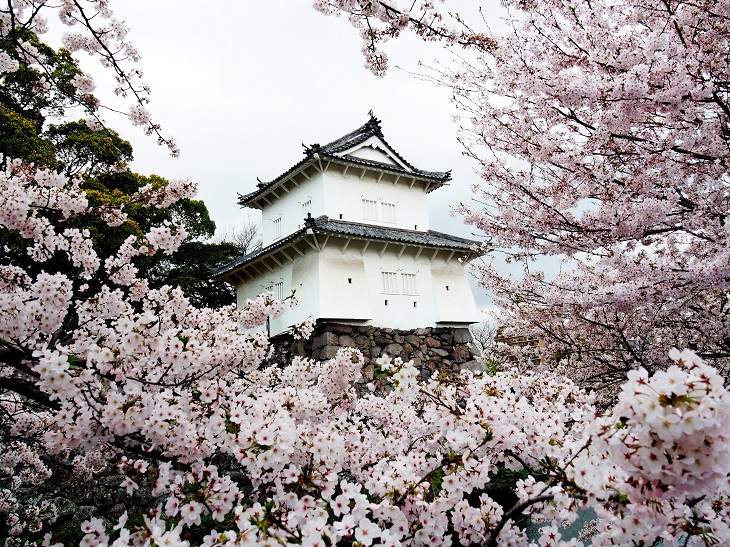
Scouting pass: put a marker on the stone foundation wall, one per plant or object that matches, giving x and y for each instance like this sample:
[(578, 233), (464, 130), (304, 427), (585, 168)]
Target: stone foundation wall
[(431, 348)]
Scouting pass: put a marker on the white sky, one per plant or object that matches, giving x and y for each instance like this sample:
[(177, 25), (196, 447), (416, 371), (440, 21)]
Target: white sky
[(242, 84)]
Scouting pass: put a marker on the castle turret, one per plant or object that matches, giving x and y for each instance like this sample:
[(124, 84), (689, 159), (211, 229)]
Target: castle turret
[(347, 229)]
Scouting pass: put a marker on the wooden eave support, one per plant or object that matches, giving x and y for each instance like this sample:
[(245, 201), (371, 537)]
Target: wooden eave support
[(298, 251), (382, 251), (324, 243), (273, 257), (345, 170), (413, 181), (304, 174), (402, 249), (289, 258), (397, 178), (365, 248), (450, 256), (380, 177), (314, 245), (427, 188), (266, 200), (435, 252), (420, 250), (347, 243)]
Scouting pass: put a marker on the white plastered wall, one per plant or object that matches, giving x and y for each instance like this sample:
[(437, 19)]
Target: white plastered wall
[(452, 294), (373, 149), (348, 287), (364, 300), (344, 295), (302, 276), (289, 208), (343, 196)]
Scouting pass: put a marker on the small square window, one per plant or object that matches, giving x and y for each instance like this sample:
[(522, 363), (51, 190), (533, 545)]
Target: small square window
[(415, 304), (386, 302), (349, 280)]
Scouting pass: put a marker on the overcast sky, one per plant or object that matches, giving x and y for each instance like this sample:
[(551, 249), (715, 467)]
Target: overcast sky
[(241, 85)]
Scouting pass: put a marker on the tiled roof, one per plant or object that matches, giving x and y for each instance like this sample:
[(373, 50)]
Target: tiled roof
[(334, 149), (360, 135), (399, 235), (324, 225)]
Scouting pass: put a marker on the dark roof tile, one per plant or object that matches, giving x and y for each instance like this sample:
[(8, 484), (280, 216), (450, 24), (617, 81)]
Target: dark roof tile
[(334, 150), (324, 225)]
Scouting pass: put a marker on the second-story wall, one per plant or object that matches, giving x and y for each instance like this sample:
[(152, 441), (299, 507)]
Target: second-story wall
[(346, 196), (369, 201), (286, 215)]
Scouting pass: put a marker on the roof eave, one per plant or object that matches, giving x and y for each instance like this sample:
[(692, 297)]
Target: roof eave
[(308, 231), (253, 199)]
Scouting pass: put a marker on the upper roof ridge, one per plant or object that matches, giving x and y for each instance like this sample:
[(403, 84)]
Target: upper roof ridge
[(335, 149), (369, 129)]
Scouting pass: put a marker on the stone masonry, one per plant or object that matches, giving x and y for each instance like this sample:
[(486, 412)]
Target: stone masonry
[(431, 349)]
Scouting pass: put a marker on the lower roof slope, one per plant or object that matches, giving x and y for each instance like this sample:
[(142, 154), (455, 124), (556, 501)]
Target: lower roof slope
[(323, 225)]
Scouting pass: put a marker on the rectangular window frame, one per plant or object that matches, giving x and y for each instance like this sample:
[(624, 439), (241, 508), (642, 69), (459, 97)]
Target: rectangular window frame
[(390, 282), (409, 284), (369, 209), (388, 212), (278, 290)]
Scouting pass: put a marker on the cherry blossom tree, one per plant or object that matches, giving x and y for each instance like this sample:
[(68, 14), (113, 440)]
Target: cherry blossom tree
[(601, 129), (92, 29), (237, 453)]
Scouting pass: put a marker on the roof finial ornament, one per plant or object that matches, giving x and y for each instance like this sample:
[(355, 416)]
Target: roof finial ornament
[(308, 220), (374, 123), (312, 148)]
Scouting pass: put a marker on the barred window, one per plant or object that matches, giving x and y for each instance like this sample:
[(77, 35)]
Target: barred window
[(388, 210), (279, 290), (307, 208), (369, 209), (277, 228), (390, 283), (409, 283)]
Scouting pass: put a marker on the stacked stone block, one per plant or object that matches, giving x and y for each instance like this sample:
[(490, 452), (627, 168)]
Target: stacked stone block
[(431, 349)]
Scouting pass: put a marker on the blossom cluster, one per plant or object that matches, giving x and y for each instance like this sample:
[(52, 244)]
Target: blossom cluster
[(600, 129), (92, 29), (172, 391)]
